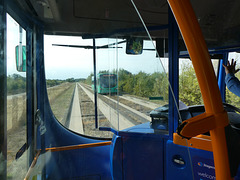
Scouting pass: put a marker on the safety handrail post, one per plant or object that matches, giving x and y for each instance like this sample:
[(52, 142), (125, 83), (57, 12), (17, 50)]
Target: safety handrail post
[(197, 48)]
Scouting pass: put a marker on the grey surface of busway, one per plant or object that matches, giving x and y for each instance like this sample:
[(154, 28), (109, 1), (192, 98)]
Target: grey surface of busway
[(140, 101), (114, 117), (76, 123), (131, 109)]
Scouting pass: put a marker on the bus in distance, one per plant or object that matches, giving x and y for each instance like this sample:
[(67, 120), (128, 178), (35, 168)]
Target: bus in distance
[(106, 83)]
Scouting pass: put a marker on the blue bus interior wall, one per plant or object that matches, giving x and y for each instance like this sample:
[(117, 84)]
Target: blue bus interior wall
[(139, 156), (132, 155), (74, 163), (195, 162), (135, 155), (86, 163)]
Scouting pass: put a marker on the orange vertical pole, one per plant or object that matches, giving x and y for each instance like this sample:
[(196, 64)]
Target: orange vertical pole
[(200, 57)]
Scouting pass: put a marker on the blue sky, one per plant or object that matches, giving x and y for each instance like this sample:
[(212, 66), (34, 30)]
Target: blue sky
[(78, 62)]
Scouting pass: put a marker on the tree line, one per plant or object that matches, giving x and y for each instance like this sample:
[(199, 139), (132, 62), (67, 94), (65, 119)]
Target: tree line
[(16, 83), (141, 84), (189, 90), (156, 84), (55, 82)]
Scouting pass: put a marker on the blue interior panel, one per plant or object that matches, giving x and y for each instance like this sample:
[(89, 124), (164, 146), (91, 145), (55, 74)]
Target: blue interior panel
[(116, 156), (87, 163), (141, 154), (187, 164)]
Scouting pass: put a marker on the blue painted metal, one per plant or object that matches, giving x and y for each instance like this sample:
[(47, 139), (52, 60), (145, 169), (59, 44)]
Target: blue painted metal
[(81, 163), (95, 82), (217, 50), (30, 97), (72, 163), (138, 155), (196, 164), (3, 92), (140, 152), (145, 128), (143, 155), (116, 158), (173, 74), (221, 76), (237, 177), (108, 129), (25, 20), (41, 83), (143, 146)]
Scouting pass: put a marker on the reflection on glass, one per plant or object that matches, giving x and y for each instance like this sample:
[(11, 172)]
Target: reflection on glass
[(16, 104), (134, 46), (128, 87)]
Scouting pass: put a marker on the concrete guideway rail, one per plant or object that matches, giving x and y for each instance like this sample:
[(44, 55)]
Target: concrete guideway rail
[(131, 109), (137, 101), (117, 120), (140, 101), (76, 123)]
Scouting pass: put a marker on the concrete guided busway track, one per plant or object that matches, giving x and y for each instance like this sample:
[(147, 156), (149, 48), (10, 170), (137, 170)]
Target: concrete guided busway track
[(116, 119), (75, 123)]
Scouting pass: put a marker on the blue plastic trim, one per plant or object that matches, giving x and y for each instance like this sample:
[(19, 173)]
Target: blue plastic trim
[(221, 77), (197, 163), (108, 129), (116, 158)]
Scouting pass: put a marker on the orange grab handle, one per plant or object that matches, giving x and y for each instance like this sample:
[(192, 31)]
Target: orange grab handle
[(32, 165), (64, 148), (80, 146), (197, 48)]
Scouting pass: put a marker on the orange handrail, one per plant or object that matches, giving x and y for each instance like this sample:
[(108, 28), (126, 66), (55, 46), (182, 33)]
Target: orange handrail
[(64, 148), (32, 165), (200, 57), (79, 146)]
